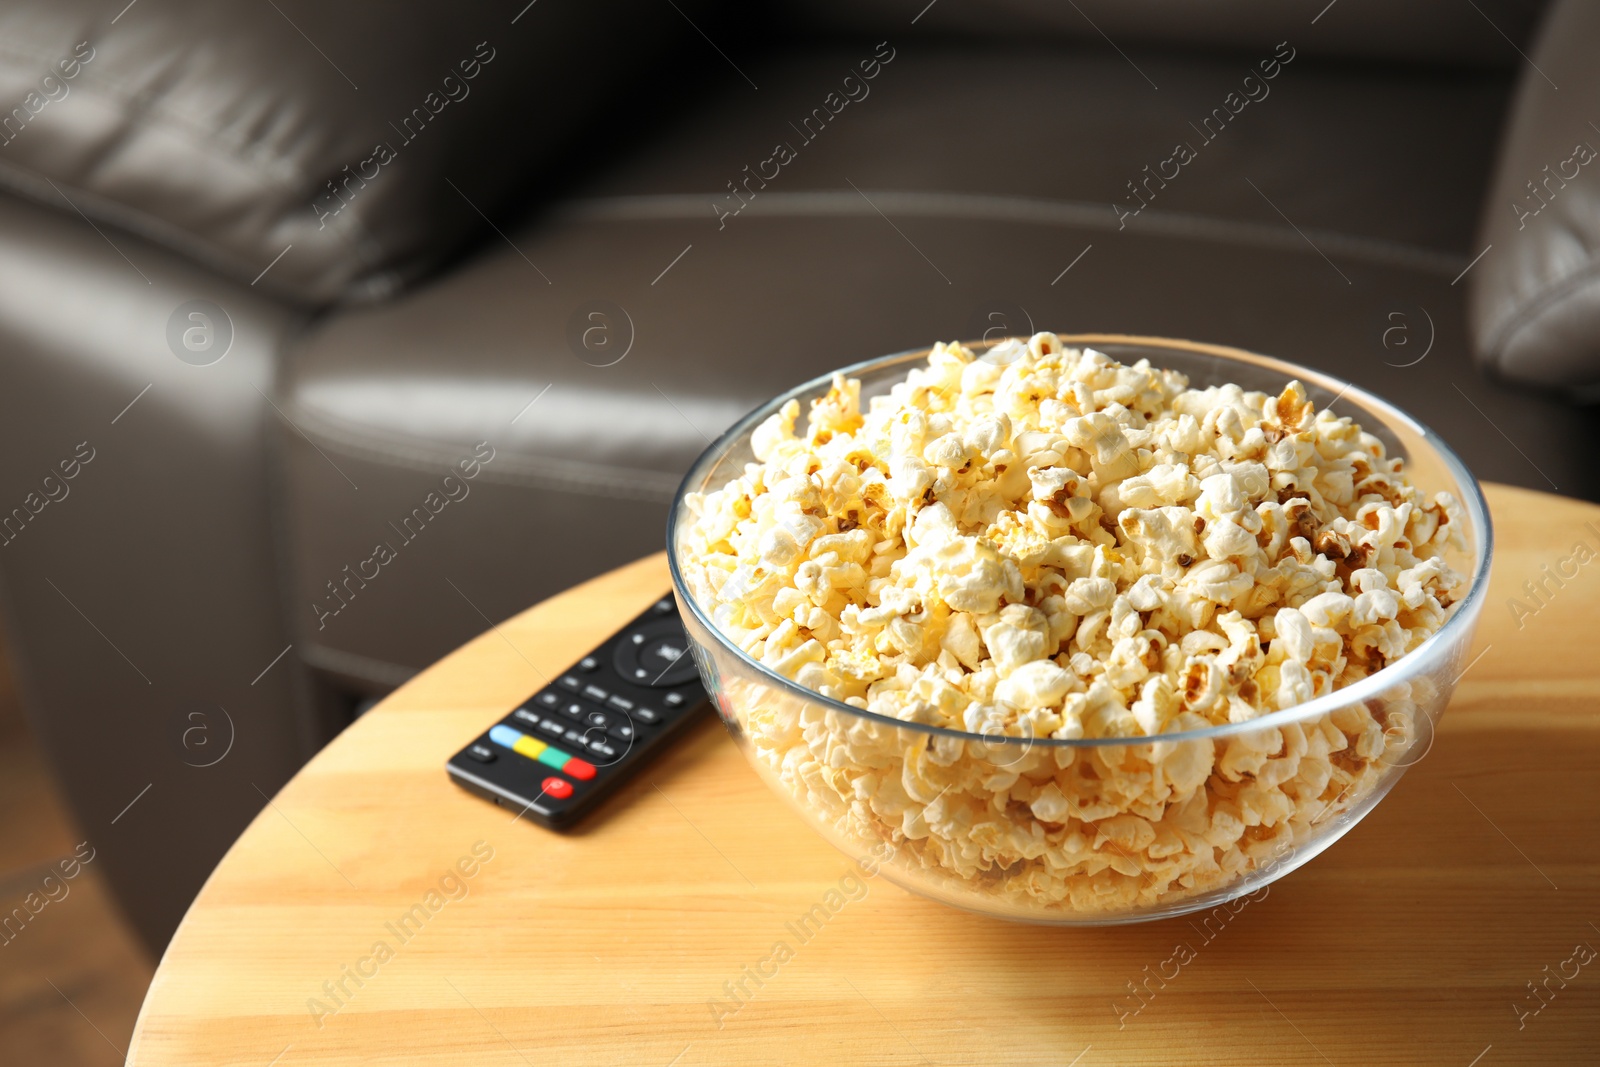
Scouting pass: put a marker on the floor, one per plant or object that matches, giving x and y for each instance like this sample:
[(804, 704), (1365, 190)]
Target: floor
[(77, 943)]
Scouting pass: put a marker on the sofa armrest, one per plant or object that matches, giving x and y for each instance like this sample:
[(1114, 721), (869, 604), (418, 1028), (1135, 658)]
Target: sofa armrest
[(1534, 301), (239, 131), (139, 577)]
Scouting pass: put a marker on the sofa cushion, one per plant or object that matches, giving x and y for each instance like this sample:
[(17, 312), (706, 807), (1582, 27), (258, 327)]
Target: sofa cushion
[(311, 145), (1349, 150), (663, 323)]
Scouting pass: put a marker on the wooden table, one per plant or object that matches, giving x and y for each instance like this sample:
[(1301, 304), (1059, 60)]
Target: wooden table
[(1412, 941)]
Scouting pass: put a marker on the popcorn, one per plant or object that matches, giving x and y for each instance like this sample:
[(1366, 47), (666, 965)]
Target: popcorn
[(1039, 684), (1045, 543)]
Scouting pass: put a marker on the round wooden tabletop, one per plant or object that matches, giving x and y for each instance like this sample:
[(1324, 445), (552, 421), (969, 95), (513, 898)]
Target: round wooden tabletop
[(1455, 925)]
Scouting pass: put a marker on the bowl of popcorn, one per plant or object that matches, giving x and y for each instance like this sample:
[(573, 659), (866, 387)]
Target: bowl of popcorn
[(1080, 630)]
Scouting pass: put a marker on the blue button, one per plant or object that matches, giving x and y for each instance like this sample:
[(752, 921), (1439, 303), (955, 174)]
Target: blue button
[(504, 735)]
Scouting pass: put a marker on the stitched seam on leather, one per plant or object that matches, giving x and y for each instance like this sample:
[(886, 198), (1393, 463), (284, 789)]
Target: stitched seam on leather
[(173, 237), (32, 186), (593, 479), (363, 245), (1530, 311), (290, 175), (143, 113), (1151, 223)]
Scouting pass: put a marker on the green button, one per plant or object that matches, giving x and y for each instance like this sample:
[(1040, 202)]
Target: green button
[(554, 757)]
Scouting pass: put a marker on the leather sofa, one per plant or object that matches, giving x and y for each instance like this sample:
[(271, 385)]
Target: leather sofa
[(359, 328)]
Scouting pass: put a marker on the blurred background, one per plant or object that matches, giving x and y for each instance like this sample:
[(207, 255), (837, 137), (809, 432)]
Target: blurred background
[(331, 334)]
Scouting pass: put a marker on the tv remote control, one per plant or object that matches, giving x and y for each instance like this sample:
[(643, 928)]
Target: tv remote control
[(564, 749)]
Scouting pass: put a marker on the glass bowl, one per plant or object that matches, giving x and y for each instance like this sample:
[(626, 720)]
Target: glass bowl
[(1161, 826)]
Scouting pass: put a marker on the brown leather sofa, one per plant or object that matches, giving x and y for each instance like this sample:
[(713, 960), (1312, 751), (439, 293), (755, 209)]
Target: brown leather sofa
[(349, 329)]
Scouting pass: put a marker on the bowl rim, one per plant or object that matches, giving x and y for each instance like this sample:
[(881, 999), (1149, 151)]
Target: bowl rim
[(1462, 614)]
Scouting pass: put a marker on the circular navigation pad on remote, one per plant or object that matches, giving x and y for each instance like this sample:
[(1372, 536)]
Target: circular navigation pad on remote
[(655, 655)]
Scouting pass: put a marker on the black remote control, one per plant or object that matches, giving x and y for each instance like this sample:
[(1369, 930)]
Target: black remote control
[(573, 742)]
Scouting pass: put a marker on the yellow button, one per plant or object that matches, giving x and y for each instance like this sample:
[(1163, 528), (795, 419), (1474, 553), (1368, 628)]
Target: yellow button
[(529, 746)]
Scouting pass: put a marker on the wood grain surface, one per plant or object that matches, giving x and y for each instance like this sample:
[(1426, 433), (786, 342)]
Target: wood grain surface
[(1450, 927)]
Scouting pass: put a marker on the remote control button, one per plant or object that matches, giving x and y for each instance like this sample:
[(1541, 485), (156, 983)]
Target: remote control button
[(593, 716), (620, 703), (582, 770), (662, 607), (588, 663), (549, 698), (504, 736), (482, 753), (553, 728), (620, 731), (669, 658), (575, 736), (558, 788), (594, 692), (574, 710), (524, 715), (674, 700), (567, 681), (553, 757), (646, 714), (656, 655), (601, 746)]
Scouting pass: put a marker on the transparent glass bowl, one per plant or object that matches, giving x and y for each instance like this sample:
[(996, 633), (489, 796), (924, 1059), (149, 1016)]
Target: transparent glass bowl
[(1155, 828)]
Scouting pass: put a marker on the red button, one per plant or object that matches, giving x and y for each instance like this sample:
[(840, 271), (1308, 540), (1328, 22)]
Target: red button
[(559, 788), (578, 769)]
